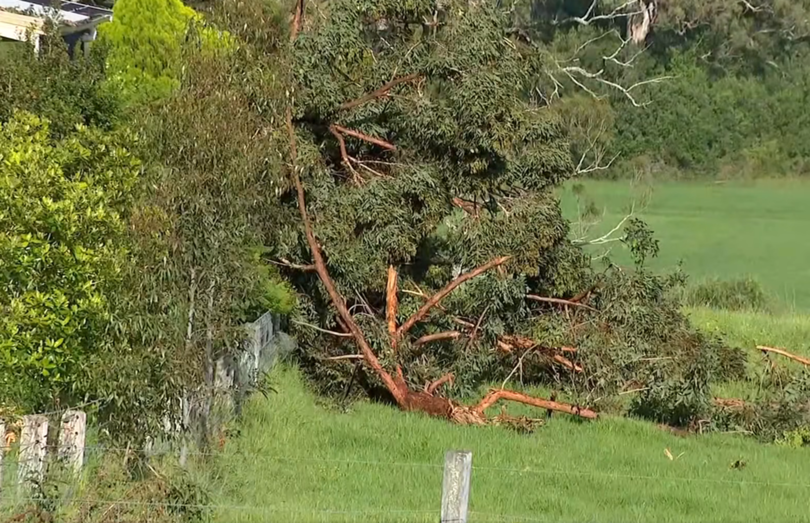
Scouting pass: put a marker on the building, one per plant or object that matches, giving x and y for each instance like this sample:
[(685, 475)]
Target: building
[(77, 23)]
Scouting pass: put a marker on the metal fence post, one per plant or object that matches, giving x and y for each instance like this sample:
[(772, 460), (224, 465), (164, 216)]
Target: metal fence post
[(456, 486)]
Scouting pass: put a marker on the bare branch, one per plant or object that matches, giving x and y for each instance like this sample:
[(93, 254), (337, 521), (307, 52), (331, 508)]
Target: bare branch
[(284, 263), (607, 237), (447, 378), (439, 296), (559, 301), (297, 20), (382, 91), (803, 361), (346, 160), (616, 13), (365, 137), (345, 357), (597, 76), (501, 394), (326, 331)]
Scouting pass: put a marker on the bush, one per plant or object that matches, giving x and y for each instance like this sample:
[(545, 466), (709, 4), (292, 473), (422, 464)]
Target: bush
[(734, 295), (63, 206)]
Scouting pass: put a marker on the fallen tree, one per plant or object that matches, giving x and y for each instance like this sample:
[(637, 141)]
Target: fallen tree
[(421, 228)]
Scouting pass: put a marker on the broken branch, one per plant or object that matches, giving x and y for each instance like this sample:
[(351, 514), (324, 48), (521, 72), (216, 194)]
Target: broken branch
[(364, 137), (447, 378), (439, 296), (284, 263), (501, 394), (382, 91), (803, 361), (391, 301), (448, 335), (559, 301), (325, 331)]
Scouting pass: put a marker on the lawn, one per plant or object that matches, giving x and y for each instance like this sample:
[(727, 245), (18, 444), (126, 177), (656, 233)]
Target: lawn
[(721, 230), (298, 461)]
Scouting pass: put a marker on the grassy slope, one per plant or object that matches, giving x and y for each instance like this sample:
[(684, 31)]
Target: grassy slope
[(725, 230), (303, 460), (299, 460)]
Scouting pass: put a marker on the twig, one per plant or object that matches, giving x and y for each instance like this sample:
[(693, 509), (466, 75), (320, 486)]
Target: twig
[(284, 263), (382, 91), (343, 153), (345, 357), (364, 137), (560, 301), (447, 378), (326, 331), (439, 296)]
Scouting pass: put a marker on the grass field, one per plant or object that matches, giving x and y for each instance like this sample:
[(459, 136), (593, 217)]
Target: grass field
[(297, 461), (725, 230)]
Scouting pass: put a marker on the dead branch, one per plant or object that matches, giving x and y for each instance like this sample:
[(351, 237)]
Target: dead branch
[(565, 362), (616, 13), (297, 20), (346, 160), (608, 237), (345, 357), (447, 378), (382, 91), (364, 137), (501, 394), (448, 335), (597, 76), (803, 361), (560, 301), (466, 205), (325, 331), (284, 263), (439, 296)]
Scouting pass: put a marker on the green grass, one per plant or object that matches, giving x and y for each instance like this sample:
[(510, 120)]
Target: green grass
[(297, 461), (723, 230)]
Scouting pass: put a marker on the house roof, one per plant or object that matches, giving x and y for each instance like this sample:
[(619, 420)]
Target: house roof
[(73, 13)]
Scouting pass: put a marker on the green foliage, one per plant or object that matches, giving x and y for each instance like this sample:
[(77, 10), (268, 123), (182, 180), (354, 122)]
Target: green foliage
[(67, 92), (145, 44), (64, 208)]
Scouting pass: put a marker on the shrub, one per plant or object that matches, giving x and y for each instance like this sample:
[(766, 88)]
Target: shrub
[(735, 295), (63, 206)]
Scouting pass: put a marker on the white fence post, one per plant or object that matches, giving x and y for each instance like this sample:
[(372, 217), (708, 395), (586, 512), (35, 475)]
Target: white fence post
[(33, 446), (456, 486), (71, 439)]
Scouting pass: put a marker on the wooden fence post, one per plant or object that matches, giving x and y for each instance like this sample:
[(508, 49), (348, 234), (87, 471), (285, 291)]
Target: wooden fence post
[(33, 446), (71, 439), (456, 486), (2, 451)]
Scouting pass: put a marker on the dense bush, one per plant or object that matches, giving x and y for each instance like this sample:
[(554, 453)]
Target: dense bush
[(63, 211)]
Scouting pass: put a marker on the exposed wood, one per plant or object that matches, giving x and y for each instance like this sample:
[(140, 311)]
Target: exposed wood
[(391, 303), (365, 137), (447, 335), (298, 19), (447, 378), (439, 296), (559, 301), (502, 394), (382, 91), (565, 362), (803, 361)]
